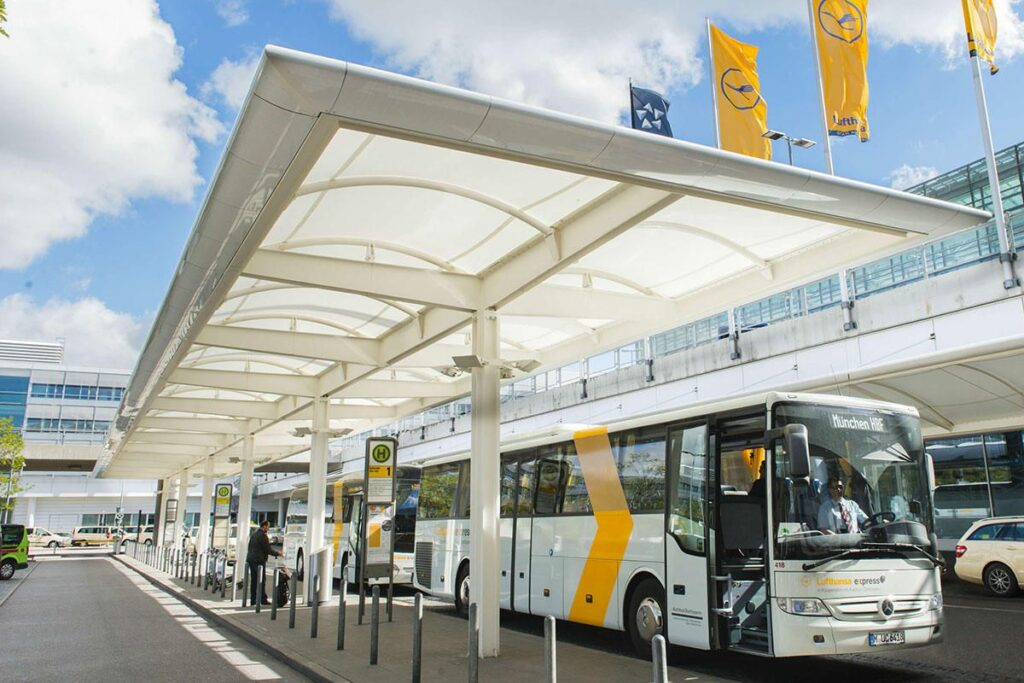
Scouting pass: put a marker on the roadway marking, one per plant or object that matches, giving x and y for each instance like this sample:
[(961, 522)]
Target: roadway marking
[(200, 629), (986, 609)]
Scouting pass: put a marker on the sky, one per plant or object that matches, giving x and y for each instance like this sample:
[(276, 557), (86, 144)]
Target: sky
[(114, 113)]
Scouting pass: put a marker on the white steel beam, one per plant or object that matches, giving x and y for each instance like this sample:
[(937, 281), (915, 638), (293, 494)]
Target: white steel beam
[(260, 410), (244, 504), (203, 543), (318, 453), (194, 424), (485, 437), (378, 280), (211, 441), (382, 388), (261, 382), (577, 302), (340, 349)]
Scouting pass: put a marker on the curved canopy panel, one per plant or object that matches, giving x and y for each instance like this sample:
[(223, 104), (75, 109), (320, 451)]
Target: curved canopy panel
[(359, 219)]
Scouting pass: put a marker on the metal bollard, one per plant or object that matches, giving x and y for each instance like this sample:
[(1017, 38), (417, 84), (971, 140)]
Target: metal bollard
[(273, 595), (550, 663), (474, 643), (207, 574), (196, 572), (261, 586), (659, 658), (417, 638), (342, 595), (234, 581), (245, 586), (314, 616), (291, 607), (224, 578), (374, 624)]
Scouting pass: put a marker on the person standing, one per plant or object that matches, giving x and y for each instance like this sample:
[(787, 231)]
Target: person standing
[(259, 551)]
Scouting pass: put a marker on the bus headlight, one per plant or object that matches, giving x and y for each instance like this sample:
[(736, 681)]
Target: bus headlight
[(806, 607), (936, 602)]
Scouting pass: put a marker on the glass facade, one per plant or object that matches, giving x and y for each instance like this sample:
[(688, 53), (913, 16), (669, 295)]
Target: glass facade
[(13, 397), (76, 392), (976, 476)]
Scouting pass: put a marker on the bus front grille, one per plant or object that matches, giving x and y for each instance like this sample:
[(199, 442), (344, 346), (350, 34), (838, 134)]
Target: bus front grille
[(424, 562)]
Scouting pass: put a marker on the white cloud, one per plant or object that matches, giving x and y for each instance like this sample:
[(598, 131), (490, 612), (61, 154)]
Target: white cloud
[(230, 81), (233, 12), (94, 335), (907, 176), (92, 118), (576, 56)]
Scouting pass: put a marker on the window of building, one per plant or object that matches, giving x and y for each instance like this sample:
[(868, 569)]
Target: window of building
[(1005, 453)]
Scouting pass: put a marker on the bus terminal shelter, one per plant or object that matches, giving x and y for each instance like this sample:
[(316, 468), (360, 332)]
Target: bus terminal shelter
[(372, 245)]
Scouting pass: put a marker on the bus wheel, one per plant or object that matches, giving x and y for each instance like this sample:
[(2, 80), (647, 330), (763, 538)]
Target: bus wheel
[(645, 617), (6, 570), (462, 591), (999, 580)]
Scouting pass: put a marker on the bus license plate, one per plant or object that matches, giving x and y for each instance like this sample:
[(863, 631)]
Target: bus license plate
[(888, 638)]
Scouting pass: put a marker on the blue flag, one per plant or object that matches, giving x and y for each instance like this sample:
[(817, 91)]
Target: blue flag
[(649, 110)]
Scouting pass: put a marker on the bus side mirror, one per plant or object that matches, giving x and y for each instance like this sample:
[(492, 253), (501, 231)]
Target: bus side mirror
[(797, 447)]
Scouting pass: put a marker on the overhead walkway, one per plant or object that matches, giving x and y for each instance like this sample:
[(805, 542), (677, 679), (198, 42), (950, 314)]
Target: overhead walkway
[(373, 245)]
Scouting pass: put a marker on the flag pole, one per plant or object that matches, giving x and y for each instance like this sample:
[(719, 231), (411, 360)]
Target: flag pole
[(1006, 249), (826, 145), (714, 85)]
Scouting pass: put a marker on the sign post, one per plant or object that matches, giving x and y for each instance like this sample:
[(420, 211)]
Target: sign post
[(377, 541), (222, 494)]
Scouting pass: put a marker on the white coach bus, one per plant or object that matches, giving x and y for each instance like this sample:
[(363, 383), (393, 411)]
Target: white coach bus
[(778, 525), (342, 510)]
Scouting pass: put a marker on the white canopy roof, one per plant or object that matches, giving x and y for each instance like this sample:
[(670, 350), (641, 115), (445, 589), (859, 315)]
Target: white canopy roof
[(358, 218)]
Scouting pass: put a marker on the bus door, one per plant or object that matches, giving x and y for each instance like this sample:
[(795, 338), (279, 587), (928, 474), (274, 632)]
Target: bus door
[(687, 538), (516, 528), (739, 517)]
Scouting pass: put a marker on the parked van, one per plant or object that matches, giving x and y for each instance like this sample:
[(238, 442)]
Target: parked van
[(94, 535), (131, 533), (13, 550)]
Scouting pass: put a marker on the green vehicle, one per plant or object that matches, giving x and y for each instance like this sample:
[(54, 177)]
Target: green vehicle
[(13, 550)]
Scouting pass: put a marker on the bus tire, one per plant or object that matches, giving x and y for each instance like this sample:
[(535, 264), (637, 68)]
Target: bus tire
[(1000, 581), (645, 615), (7, 568), (462, 591)]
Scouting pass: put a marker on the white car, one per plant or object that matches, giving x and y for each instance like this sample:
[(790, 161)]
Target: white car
[(991, 553), (38, 536), (131, 533)]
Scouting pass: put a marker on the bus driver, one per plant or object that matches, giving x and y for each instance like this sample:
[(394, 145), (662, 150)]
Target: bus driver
[(838, 514)]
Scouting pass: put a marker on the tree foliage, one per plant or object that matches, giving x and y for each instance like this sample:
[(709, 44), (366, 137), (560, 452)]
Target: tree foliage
[(3, 18), (12, 462)]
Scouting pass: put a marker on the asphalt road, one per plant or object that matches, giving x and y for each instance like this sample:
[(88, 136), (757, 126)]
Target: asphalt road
[(95, 620)]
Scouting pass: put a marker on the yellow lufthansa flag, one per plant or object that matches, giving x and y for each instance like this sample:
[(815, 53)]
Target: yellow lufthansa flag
[(742, 112), (980, 20), (841, 32)]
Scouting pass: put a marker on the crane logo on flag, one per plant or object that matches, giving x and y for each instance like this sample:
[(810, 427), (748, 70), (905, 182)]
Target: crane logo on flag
[(846, 24), (738, 90)]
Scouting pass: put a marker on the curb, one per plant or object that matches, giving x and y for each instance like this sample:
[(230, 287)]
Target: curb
[(312, 671)]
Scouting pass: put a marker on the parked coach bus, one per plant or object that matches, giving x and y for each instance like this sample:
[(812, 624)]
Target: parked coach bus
[(779, 525), (342, 510)]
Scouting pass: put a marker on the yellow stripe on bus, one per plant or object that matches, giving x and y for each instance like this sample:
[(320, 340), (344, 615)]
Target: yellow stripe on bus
[(374, 538), (614, 527), (338, 523)]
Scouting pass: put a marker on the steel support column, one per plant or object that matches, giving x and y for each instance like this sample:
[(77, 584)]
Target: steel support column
[(484, 477), (317, 489), (179, 519), (205, 505), (244, 503)]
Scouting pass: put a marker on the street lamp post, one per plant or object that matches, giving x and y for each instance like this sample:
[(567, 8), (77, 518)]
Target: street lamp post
[(803, 143)]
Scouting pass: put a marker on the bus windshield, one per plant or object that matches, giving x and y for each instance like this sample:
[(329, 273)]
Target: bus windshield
[(867, 492)]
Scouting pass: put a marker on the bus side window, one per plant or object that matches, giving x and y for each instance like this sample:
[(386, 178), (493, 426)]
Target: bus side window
[(509, 475), (526, 479), (462, 498), (550, 486)]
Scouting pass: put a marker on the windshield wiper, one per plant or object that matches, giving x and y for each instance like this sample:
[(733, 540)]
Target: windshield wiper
[(936, 560), (869, 548), (807, 566)]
